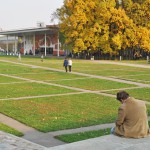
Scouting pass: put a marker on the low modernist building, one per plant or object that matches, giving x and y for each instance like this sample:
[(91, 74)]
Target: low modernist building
[(40, 40)]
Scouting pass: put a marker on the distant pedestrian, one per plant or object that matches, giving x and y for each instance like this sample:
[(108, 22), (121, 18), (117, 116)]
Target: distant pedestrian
[(42, 57), (19, 56), (65, 64), (70, 64)]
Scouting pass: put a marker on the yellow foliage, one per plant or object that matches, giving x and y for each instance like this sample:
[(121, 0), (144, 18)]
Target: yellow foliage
[(98, 23), (117, 41)]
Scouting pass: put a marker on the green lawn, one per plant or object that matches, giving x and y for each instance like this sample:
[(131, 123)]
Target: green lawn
[(4, 79), (62, 112), (137, 78), (50, 76), (139, 93), (9, 68), (69, 138), (10, 130), (68, 111), (92, 67), (94, 84), (30, 89)]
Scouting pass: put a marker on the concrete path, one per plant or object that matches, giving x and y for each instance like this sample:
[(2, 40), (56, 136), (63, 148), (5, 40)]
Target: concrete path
[(46, 139), (108, 142), (30, 133), (122, 63), (11, 142)]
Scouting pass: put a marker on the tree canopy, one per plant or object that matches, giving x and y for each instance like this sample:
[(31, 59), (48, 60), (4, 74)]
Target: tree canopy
[(110, 25)]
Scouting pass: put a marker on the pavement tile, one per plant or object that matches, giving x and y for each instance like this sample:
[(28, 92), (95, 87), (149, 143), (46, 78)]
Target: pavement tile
[(11, 142), (109, 142)]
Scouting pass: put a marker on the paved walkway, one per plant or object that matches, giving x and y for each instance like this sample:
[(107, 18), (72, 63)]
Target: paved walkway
[(108, 142), (11, 142), (122, 63), (46, 139)]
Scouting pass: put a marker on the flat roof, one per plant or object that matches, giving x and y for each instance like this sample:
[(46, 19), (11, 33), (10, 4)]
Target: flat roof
[(49, 29)]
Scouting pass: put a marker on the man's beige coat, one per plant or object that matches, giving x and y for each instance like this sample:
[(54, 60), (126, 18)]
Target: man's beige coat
[(132, 119)]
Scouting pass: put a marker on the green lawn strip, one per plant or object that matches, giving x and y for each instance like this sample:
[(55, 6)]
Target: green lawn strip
[(94, 84), (99, 69), (137, 78), (10, 130), (4, 79), (95, 68), (90, 67), (34, 60), (34, 73), (136, 61), (29, 57), (62, 112), (51, 76), (69, 138), (10, 68), (87, 66), (140, 93), (112, 70), (30, 89)]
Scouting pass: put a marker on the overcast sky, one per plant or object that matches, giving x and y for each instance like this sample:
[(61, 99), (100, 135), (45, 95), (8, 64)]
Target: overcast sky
[(16, 14)]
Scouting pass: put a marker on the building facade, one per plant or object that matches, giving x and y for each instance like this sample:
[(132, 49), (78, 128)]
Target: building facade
[(33, 41)]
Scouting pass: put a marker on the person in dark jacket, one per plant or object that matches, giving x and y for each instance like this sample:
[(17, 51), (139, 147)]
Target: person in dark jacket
[(65, 64)]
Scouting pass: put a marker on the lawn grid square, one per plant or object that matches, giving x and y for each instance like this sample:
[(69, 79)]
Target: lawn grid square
[(30, 89), (4, 79), (139, 93), (94, 84), (62, 112)]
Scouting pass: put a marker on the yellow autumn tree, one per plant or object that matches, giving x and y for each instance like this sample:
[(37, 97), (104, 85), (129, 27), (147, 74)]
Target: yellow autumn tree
[(110, 25), (139, 12)]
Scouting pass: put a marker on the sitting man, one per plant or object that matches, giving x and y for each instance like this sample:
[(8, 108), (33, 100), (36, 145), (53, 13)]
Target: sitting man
[(132, 121)]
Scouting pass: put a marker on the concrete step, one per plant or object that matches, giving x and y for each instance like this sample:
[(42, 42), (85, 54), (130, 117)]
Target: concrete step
[(11, 142), (108, 142)]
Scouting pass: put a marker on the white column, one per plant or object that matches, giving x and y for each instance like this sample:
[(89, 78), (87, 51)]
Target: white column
[(120, 58), (34, 44), (45, 43), (147, 58), (7, 44), (15, 46), (24, 44), (58, 45)]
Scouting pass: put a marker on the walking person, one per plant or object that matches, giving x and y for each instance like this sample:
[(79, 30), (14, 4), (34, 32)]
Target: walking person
[(19, 56), (42, 58), (132, 120), (70, 64), (65, 64)]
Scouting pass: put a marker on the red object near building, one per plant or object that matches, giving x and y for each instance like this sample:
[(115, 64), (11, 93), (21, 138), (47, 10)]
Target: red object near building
[(61, 52)]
